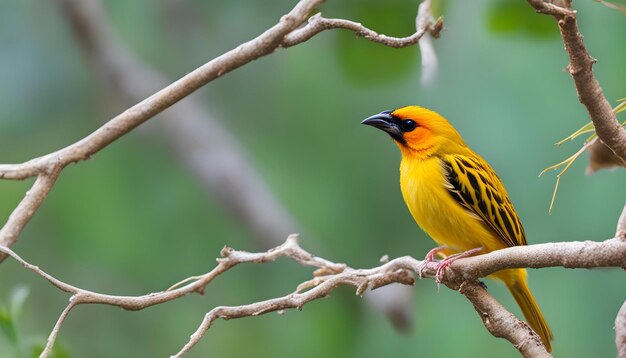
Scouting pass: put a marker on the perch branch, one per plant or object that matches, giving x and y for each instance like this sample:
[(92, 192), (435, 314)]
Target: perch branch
[(459, 276), (462, 276), (581, 68)]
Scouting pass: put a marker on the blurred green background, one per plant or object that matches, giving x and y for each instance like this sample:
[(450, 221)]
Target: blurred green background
[(135, 220)]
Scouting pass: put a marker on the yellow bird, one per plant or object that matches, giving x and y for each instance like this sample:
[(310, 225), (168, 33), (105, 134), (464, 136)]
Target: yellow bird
[(456, 197)]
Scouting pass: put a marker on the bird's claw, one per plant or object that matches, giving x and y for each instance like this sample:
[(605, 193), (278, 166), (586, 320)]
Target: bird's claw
[(441, 266), (430, 257)]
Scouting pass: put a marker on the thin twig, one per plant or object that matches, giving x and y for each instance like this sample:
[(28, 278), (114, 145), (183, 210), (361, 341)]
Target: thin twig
[(317, 24), (620, 232), (378, 277), (57, 327), (27, 208)]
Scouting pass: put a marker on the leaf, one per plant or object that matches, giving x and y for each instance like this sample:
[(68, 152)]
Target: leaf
[(57, 351), (7, 326), (9, 315)]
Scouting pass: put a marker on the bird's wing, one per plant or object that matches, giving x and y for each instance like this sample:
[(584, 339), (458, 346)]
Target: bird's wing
[(476, 187)]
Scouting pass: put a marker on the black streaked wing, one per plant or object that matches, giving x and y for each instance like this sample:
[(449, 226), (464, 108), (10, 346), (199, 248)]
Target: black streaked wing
[(478, 189)]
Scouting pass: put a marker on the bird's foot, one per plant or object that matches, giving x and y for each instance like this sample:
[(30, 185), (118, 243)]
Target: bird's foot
[(441, 266), (430, 257)]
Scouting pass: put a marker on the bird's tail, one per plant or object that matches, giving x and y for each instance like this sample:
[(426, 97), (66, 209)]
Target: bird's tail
[(530, 309)]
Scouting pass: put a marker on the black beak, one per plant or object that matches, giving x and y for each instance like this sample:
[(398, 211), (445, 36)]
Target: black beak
[(385, 121), (381, 120)]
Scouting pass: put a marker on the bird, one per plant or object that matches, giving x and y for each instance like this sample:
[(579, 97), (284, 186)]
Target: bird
[(456, 197)]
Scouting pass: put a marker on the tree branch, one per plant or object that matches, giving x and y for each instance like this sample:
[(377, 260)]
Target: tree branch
[(574, 254), (461, 276), (581, 68), (26, 209), (317, 24), (620, 332), (501, 323), (264, 44), (203, 144)]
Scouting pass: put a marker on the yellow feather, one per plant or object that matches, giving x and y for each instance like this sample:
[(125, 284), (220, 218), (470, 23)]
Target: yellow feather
[(423, 186)]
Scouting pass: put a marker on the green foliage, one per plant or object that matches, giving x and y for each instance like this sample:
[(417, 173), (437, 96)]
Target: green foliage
[(506, 17), (133, 219), (366, 63), (58, 351), (10, 315)]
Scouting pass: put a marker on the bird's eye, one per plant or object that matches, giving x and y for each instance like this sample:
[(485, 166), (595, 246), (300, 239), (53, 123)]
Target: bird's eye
[(408, 125)]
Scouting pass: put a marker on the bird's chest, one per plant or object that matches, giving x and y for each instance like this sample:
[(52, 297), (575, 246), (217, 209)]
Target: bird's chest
[(423, 184)]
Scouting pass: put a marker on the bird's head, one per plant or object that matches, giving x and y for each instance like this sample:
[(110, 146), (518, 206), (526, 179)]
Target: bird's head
[(417, 130)]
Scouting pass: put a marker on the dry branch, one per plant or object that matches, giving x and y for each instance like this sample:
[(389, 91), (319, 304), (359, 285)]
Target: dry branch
[(262, 45), (580, 67), (48, 167), (138, 80), (461, 276), (502, 323), (202, 143), (25, 210)]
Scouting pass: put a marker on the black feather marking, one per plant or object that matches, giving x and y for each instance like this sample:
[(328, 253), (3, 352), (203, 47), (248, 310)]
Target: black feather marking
[(507, 221), (474, 186)]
